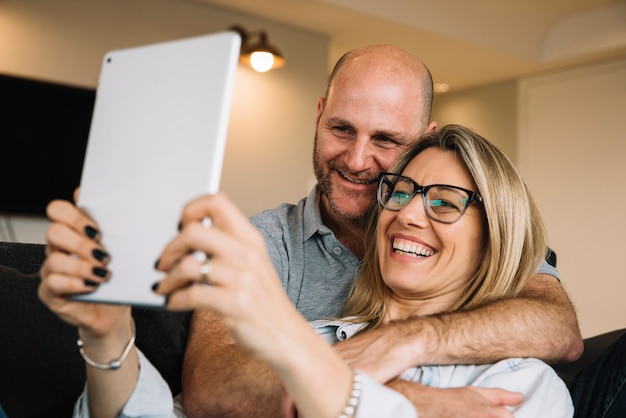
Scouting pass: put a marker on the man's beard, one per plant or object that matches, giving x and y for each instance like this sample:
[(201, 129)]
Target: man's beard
[(326, 187)]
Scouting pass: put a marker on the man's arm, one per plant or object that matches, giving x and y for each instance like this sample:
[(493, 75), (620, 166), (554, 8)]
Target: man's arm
[(219, 379), (540, 322)]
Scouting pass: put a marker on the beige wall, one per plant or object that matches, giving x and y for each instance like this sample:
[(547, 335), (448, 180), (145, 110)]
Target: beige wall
[(268, 155), (572, 148), (490, 111)]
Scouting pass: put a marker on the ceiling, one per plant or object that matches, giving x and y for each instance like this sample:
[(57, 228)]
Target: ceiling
[(465, 43)]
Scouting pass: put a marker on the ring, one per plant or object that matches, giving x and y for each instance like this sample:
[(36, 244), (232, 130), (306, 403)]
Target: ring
[(205, 270)]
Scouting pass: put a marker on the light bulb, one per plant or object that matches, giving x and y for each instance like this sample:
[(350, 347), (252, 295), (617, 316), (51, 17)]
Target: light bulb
[(262, 61)]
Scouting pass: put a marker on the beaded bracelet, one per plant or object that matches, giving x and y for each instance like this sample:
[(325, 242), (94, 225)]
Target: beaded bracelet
[(113, 364), (355, 396)]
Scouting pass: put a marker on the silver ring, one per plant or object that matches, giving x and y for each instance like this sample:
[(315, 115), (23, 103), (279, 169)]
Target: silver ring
[(205, 271)]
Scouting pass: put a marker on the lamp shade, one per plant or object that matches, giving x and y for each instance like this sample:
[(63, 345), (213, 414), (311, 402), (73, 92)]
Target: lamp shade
[(256, 52)]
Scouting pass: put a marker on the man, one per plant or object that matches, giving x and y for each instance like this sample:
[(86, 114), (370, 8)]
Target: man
[(377, 103)]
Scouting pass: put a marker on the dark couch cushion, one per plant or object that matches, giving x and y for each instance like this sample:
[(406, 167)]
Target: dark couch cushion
[(41, 371), (25, 258), (594, 347)]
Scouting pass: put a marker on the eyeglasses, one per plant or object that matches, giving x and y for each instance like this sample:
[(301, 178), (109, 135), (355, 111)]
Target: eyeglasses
[(442, 203)]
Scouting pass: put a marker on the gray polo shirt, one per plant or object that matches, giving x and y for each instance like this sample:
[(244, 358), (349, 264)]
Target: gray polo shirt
[(315, 268)]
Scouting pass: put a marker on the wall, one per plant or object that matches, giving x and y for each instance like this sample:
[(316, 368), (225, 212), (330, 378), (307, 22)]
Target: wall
[(490, 111), (268, 156), (572, 149)]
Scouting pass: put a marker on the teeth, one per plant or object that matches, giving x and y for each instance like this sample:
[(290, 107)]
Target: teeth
[(412, 248), (357, 181)]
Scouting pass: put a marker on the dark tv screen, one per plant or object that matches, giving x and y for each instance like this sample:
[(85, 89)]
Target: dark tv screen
[(44, 128)]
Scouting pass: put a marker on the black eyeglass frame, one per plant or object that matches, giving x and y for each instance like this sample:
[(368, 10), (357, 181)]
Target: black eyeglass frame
[(423, 190)]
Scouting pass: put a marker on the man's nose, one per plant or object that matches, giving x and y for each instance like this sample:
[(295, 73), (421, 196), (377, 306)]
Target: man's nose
[(360, 155)]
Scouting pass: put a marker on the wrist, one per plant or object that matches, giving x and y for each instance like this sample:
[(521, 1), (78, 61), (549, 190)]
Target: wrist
[(354, 396), (415, 340), (107, 352)]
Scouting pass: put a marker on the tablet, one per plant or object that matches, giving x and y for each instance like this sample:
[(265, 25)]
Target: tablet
[(156, 141)]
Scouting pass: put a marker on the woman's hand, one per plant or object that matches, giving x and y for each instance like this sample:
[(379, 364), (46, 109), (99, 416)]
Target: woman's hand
[(242, 284), (76, 263)]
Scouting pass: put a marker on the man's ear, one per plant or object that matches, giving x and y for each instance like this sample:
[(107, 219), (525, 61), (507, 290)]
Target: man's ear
[(321, 103), (432, 127)]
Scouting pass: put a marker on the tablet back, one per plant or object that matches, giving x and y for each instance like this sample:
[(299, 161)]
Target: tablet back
[(157, 140)]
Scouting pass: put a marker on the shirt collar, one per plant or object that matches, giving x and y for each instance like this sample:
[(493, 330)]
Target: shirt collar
[(312, 215)]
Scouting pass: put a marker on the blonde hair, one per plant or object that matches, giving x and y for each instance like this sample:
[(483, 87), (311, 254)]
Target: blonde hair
[(515, 238)]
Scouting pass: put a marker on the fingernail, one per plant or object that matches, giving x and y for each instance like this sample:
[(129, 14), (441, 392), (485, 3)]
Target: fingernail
[(180, 225), (99, 255), (155, 286), (91, 283), (156, 264), (91, 232), (100, 272)]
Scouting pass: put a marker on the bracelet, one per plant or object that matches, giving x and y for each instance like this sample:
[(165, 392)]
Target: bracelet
[(355, 396), (113, 364)]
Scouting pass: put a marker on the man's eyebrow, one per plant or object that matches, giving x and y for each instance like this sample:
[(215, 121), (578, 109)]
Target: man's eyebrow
[(338, 121), (395, 135)]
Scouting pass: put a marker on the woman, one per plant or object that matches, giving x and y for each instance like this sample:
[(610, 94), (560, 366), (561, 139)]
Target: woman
[(455, 228)]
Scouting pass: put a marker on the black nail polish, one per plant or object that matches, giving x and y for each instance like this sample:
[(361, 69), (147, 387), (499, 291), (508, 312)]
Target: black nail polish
[(155, 286), (180, 226), (91, 283), (100, 272), (91, 232), (99, 255), (156, 264)]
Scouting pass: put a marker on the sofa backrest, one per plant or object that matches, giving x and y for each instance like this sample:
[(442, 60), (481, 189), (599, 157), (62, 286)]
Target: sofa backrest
[(41, 371)]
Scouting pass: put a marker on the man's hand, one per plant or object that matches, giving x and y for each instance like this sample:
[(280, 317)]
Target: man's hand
[(380, 352), (464, 402)]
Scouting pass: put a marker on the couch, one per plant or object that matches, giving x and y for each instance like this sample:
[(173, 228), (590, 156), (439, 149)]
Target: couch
[(41, 371)]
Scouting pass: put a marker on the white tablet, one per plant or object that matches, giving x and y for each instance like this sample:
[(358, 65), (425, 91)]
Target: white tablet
[(157, 140)]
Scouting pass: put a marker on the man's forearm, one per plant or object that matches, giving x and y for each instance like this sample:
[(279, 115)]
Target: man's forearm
[(219, 379), (540, 323)]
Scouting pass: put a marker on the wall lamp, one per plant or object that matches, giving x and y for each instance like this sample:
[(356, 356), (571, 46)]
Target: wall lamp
[(256, 52)]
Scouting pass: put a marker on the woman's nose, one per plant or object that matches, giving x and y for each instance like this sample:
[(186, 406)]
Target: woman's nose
[(414, 213)]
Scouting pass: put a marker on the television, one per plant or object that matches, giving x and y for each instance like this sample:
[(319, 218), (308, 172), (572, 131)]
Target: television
[(44, 128)]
